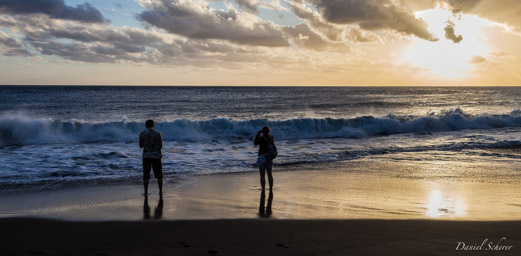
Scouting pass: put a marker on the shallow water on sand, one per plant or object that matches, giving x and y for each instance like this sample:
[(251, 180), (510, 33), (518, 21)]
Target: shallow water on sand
[(346, 190), (64, 137)]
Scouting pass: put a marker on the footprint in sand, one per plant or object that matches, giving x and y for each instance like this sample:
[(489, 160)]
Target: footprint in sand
[(282, 245), (212, 252), (185, 245)]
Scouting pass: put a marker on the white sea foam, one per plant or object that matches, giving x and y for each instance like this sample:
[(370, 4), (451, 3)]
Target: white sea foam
[(22, 130)]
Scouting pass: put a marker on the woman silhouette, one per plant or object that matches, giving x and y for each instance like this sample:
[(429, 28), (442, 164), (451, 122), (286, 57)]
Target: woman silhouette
[(264, 163)]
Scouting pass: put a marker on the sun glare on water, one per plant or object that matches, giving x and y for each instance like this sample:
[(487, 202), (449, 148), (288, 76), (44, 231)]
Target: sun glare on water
[(448, 58)]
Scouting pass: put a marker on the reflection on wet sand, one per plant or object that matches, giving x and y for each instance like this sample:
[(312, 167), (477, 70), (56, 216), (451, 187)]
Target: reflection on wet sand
[(442, 205), (265, 210), (158, 211)]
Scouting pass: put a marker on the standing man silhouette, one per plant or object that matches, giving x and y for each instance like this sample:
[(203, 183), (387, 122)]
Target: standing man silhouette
[(151, 141)]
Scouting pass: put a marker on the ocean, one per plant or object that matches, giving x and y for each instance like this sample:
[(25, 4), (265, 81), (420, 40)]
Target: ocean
[(54, 136)]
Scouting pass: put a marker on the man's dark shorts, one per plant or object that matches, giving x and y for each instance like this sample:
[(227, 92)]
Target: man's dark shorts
[(150, 163)]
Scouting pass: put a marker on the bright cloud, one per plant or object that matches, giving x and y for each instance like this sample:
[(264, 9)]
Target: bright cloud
[(344, 42)]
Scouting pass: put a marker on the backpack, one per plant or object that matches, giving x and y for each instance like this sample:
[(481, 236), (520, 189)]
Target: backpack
[(271, 153)]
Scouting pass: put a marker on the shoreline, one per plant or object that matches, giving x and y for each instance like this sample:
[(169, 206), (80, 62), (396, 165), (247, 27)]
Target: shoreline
[(332, 209), (319, 192)]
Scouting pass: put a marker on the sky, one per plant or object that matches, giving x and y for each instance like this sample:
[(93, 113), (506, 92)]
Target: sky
[(261, 42)]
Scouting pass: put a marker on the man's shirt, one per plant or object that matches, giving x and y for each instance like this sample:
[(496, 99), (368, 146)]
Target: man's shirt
[(151, 141)]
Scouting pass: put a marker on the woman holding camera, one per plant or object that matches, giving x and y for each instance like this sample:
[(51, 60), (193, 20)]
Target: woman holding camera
[(264, 160)]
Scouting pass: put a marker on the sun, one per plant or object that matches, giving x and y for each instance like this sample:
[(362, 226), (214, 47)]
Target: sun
[(459, 45)]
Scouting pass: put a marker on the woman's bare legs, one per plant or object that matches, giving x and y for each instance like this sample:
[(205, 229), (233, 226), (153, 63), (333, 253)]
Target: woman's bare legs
[(270, 178), (262, 171)]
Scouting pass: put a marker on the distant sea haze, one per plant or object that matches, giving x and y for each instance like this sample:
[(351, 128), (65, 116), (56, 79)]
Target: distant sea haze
[(60, 134)]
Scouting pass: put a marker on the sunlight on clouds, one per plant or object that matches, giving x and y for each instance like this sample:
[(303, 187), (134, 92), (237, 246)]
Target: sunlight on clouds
[(297, 42), (452, 55)]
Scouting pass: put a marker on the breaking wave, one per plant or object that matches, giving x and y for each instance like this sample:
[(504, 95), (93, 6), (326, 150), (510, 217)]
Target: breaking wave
[(22, 130)]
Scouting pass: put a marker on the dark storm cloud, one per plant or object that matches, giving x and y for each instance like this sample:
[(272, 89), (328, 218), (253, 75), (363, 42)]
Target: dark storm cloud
[(374, 15), (54, 8), (198, 21)]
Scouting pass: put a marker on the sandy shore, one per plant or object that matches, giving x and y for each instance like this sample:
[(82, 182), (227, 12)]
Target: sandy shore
[(323, 210), (258, 237), (323, 193)]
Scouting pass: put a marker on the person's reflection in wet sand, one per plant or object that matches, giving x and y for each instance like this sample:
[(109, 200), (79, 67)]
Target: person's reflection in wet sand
[(146, 209), (158, 211), (265, 210)]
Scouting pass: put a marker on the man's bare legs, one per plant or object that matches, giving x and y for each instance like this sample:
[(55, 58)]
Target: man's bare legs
[(160, 184), (145, 185)]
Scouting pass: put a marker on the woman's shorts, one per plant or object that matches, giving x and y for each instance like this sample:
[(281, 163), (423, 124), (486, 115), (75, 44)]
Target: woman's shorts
[(262, 162)]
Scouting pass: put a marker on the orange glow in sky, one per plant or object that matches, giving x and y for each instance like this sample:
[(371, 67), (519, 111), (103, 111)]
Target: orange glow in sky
[(261, 42)]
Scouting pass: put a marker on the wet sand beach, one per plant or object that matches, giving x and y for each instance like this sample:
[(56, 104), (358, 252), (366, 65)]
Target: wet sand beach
[(349, 190), (331, 209)]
